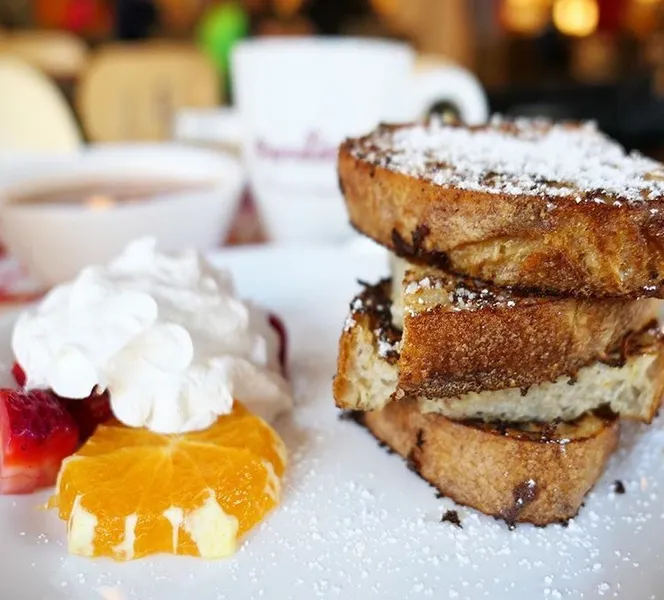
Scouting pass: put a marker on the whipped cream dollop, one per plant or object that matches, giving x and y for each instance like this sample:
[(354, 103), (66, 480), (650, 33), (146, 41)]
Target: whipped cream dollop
[(166, 335)]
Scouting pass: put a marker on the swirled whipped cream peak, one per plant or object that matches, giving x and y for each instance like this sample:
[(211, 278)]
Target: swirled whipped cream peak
[(166, 335)]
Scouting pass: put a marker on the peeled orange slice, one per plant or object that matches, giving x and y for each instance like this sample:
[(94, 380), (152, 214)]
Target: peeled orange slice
[(128, 493)]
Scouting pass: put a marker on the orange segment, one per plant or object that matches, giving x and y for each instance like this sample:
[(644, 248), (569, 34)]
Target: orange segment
[(130, 492), (114, 435)]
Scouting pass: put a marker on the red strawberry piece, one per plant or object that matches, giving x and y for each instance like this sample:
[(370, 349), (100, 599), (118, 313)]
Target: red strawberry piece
[(36, 434), (19, 374), (89, 412), (278, 325)]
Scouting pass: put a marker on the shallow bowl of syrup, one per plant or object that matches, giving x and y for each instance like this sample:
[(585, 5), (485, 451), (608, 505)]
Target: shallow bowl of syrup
[(61, 214)]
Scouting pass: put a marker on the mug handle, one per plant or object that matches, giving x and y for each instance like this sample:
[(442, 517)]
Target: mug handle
[(450, 84)]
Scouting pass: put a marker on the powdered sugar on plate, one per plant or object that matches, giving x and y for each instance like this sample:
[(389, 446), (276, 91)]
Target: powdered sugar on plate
[(517, 157), (355, 522)]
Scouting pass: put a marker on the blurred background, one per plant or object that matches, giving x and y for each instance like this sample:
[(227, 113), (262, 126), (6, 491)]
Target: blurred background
[(129, 70), (599, 59)]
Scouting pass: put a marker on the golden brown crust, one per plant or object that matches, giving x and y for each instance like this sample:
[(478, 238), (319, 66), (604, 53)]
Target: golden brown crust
[(342, 387), (357, 347), (518, 342), (579, 249), (539, 478), (629, 381)]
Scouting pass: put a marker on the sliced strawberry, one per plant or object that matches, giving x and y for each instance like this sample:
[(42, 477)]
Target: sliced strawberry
[(19, 374), (89, 412), (278, 325), (36, 434)]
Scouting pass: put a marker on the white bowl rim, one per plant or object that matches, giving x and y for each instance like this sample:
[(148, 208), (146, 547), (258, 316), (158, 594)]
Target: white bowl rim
[(256, 47), (226, 173)]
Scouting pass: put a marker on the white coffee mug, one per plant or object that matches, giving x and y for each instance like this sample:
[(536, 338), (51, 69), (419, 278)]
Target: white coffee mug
[(298, 98)]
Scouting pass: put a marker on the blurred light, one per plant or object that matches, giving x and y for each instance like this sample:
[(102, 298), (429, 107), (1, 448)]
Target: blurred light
[(576, 17), (110, 593), (99, 202), (595, 59), (641, 17), (527, 17), (385, 8), (287, 8)]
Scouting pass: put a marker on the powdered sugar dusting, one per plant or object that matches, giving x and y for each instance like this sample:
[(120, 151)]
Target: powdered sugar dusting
[(463, 298), (375, 302), (517, 157), (462, 294), (355, 522), (387, 348), (350, 322)]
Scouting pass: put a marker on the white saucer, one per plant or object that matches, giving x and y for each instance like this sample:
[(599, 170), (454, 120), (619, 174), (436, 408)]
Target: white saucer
[(355, 523)]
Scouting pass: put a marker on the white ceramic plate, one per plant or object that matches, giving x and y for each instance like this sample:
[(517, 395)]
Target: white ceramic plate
[(355, 523)]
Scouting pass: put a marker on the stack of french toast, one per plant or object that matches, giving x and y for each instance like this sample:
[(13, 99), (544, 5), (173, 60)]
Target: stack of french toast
[(519, 324)]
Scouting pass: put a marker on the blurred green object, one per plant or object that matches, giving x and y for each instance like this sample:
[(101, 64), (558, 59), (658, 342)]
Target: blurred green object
[(219, 29)]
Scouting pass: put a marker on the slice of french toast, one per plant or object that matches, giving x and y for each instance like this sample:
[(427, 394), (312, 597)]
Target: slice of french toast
[(555, 208), (535, 473), (530, 472), (461, 335), (630, 381)]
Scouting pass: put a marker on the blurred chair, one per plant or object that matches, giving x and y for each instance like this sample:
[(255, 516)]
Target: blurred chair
[(58, 54), (177, 17), (34, 116), (133, 91), (90, 19), (433, 26)]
